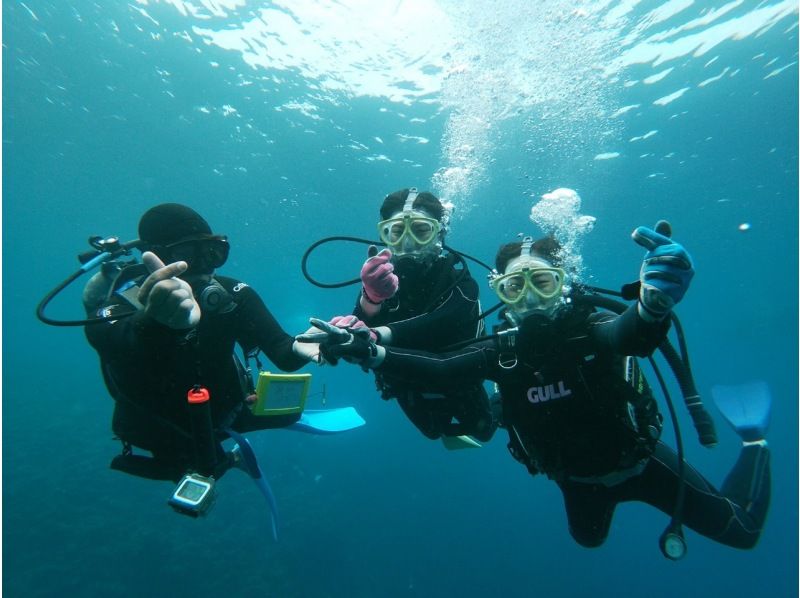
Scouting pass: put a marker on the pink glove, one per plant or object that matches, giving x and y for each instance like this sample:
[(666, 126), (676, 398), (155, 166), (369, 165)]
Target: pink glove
[(377, 275), (352, 322)]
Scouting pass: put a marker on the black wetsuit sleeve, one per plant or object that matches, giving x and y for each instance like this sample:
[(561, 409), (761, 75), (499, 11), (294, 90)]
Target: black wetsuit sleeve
[(259, 328), (459, 307), (440, 371), (132, 335), (627, 333), (360, 314)]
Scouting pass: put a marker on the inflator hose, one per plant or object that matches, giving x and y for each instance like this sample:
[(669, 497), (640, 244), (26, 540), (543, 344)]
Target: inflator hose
[(706, 432), (702, 421)]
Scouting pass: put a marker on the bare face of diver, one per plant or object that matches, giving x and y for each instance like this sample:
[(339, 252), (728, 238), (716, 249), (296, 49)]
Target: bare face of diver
[(529, 285), (412, 234)]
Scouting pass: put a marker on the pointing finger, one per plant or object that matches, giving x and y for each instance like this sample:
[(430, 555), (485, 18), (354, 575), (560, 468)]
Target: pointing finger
[(331, 330), (162, 273), (321, 324), (152, 261), (311, 337)]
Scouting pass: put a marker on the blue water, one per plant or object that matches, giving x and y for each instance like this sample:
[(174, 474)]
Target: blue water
[(284, 124)]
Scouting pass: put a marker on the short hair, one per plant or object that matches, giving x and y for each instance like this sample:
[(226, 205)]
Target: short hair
[(425, 201), (547, 248)]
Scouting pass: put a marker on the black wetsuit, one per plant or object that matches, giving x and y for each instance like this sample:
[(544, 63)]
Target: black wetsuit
[(434, 307), (573, 414), (149, 368)]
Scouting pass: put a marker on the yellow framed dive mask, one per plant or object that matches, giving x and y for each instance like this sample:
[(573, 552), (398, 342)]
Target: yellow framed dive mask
[(545, 282), (421, 229)]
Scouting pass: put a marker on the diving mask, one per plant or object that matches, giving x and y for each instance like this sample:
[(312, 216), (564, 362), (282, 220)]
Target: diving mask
[(203, 254), (546, 283), (412, 226)]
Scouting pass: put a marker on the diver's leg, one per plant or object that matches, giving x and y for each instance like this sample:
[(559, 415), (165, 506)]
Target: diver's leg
[(474, 410), (455, 413), (590, 508), (749, 484), (705, 510), (152, 468), (422, 414)]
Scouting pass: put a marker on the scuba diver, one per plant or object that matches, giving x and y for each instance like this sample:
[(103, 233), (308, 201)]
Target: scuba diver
[(413, 295), (182, 336), (166, 331), (575, 404)]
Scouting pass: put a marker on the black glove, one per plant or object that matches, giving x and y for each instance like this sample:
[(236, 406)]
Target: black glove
[(351, 344), (358, 348)]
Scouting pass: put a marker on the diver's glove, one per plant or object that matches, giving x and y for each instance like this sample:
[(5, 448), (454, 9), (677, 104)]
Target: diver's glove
[(358, 348), (666, 271), (351, 321), (378, 277), (353, 345)]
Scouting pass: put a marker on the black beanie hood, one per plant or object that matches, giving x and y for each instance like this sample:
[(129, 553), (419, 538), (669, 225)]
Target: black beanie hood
[(170, 222)]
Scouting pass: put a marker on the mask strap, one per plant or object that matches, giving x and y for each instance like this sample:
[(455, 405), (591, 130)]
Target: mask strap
[(412, 196), (527, 245)]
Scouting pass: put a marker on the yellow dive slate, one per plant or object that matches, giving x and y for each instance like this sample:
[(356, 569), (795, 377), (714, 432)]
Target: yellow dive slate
[(281, 394)]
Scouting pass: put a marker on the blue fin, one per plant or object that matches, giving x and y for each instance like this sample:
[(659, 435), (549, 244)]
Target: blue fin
[(251, 466), (328, 421), (746, 407)]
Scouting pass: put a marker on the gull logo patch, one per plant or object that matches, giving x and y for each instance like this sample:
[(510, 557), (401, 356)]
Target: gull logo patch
[(540, 394)]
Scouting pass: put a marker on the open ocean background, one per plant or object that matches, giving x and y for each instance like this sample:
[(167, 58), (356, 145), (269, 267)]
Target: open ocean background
[(288, 121)]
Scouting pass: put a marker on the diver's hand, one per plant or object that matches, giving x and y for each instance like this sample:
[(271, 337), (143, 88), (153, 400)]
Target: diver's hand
[(351, 321), (378, 277), (323, 333), (358, 348), (166, 298), (666, 271), (306, 350), (353, 345)]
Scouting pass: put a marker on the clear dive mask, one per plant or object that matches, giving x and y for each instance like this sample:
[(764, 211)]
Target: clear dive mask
[(411, 232), (544, 282), (422, 230), (530, 283)]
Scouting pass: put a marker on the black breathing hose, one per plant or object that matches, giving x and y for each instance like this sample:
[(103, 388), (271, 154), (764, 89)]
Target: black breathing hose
[(701, 419), (680, 367), (313, 246), (49, 297), (671, 542), (338, 285), (105, 251)]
